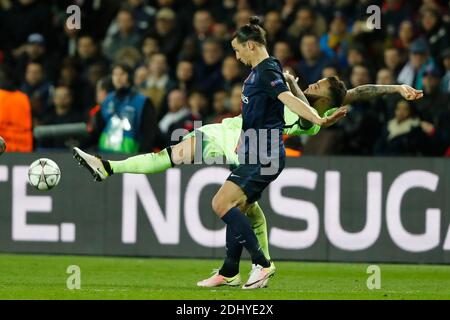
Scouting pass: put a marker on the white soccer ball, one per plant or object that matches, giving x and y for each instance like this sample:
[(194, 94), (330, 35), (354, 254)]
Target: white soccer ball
[(44, 174)]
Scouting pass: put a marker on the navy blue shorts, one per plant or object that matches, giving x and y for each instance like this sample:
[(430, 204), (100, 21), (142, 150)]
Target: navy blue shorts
[(251, 180)]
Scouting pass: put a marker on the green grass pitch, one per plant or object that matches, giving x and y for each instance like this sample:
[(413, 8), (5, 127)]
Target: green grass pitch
[(44, 277)]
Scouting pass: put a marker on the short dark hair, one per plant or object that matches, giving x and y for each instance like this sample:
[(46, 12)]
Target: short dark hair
[(338, 90), (125, 67), (252, 31)]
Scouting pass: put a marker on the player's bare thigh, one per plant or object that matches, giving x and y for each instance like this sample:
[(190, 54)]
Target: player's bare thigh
[(230, 195), (183, 152)]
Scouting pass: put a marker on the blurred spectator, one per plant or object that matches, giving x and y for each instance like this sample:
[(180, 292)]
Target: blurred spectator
[(283, 52), (127, 34), (158, 81), (184, 75), (393, 60), (178, 109), (202, 29), (208, 70), (168, 33), (128, 55), (393, 13), (34, 51), (198, 109), (385, 77), (434, 108), (402, 135), (242, 17), (446, 79), (24, 18), (103, 87), (335, 43), (330, 71), (236, 99), (274, 28), (361, 126), (143, 13), (140, 77), (435, 30), (88, 54), (38, 89), (150, 45), (419, 59), (306, 22), (221, 107), (311, 66), (387, 103), (231, 72), (406, 35), (83, 94), (62, 112), (127, 119), (15, 115), (355, 55)]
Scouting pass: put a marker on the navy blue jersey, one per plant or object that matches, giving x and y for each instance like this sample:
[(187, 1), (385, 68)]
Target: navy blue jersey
[(261, 109)]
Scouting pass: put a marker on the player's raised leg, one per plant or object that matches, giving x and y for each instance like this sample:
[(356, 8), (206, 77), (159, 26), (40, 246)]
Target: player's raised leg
[(148, 163)]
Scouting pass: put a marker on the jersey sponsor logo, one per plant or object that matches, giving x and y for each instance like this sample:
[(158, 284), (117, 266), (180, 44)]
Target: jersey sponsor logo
[(276, 82)]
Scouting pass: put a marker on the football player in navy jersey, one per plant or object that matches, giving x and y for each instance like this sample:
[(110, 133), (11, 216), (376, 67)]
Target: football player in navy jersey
[(261, 150)]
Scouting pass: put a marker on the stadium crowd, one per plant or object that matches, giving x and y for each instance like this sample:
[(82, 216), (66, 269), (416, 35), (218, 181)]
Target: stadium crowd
[(173, 65)]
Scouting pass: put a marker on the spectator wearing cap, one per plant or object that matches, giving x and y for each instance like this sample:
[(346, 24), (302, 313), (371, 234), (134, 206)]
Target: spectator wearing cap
[(445, 83), (170, 37), (419, 60), (435, 30), (127, 34), (38, 89), (434, 109), (35, 50), (313, 60), (336, 41)]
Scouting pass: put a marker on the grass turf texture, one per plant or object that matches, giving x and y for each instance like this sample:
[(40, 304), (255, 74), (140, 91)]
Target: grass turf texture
[(44, 277)]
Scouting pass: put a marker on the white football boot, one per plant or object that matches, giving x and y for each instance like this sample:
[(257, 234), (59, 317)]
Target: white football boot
[(259, 276), (92, 163), (217, 280)]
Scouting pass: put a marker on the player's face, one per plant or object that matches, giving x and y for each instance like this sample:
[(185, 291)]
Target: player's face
[(242, 51), (319, 88)]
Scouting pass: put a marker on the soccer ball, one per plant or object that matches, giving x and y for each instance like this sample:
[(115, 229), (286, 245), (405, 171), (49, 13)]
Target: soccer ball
[(44, 174)]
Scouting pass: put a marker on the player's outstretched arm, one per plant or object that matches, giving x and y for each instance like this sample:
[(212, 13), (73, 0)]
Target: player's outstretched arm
[(305, 111), (370, 91)]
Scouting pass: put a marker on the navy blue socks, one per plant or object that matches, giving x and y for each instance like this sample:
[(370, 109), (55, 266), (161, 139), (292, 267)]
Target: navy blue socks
[(244, 234)]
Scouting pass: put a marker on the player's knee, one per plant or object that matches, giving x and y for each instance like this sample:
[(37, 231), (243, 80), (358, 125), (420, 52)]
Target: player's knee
[(219, 205)]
